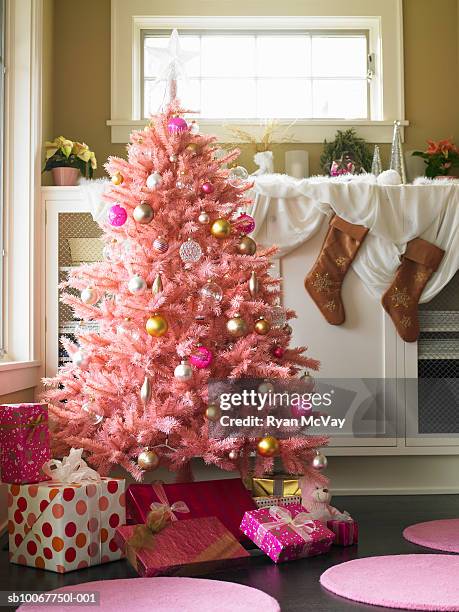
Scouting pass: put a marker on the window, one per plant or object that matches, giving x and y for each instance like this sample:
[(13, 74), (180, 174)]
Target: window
[(267, 74), (2, 88)]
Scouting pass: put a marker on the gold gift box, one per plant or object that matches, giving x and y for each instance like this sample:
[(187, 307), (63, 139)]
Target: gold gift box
[(279, 485)]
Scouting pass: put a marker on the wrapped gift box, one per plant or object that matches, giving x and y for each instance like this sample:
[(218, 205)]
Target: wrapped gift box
[(24, 442), (272, 500), (345, 529), (279, 485), (226, 499), (183, 548), (62, 527), (285, 534)]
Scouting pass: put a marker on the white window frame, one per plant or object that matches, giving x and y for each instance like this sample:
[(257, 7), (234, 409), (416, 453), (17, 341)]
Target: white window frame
[(20, 369), (381, 18)]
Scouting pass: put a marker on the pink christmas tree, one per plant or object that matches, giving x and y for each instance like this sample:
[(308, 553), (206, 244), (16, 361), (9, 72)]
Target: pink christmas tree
[(182, 296)]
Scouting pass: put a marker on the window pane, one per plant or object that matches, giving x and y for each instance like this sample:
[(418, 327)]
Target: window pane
[(340, 99), (187, 43), (228, 56), (283, 55), (335, 56), (284, 98), (228, 98), (188, 92)]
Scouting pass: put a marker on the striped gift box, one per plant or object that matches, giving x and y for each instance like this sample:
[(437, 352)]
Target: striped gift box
[(346, 531), (276, 500)]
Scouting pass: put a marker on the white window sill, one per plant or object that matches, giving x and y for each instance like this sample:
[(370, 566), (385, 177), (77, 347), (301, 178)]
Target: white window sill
[(303, 131), (18, 375)]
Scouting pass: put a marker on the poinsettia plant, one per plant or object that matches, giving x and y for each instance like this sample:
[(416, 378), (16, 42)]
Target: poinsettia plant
[(64, 153), (439, 157)]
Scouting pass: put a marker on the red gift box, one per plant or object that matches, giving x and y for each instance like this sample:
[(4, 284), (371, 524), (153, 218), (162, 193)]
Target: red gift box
[(345, 529), (184, 547), (227, 499)]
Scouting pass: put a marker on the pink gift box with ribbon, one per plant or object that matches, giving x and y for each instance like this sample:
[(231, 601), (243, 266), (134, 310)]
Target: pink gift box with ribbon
[(24, 442), (345, 529), (285, 534)]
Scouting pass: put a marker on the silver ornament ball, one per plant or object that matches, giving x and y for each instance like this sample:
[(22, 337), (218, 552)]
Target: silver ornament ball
[(233, 455), (137, 284), (266, 387), (173, 158), (80, 359), (89, 296), (319, 461), (143, 213), (203, 218), (190, 251), (183, 372), (154, 180)]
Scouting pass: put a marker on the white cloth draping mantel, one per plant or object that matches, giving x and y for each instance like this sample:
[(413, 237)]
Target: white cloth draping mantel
[(394, 214)]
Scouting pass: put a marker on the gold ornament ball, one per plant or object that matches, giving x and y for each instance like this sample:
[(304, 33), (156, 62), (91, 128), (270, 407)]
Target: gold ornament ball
[(220, 228), (117, 178), (156, 326), (213, 412), (192, 148), (148, 460), (262, 326), (236, 326), (246, 246), (268, 446), (143, 213)]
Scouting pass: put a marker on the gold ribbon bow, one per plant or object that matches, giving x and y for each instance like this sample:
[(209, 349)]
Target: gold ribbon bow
[(301, 524), (31, 425), (160, 515)]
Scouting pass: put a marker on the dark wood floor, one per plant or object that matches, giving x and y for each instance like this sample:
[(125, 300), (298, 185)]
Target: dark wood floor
[(296, 584)]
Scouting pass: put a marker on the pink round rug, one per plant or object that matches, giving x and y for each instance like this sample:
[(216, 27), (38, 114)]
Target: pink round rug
[(409, 582), (440, 535), (166, 595)]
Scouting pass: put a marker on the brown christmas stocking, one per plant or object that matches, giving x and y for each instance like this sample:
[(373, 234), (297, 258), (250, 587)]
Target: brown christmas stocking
[(420, 260), (323, 283)]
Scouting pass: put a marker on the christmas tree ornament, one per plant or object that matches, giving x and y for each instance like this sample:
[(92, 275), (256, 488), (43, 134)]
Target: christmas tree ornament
[(220, 228), (319, 461), (156, 325), (254, 285), (80, 359), (190, 251), (160, 245), (207, 188), (262, 326), (203, 217), (236, 326), (183, 372), (288, 329), (128, 328), (157, 285), (233, 455), (136, 284), (237, 175), (145, 391), (117, 178), (278, 352), (96, 419), (201, 357), (89, 296), (143, 213), (306, 378), (277, 316), (148, 460), (194, 127), (117, 215), (376, 166), (265, 387), (173, 158), (268, 446), (154, 180), (192, 148), (397, 159), (212, 291), (244, 224), (177, 125), (213, 412), (246, 246)]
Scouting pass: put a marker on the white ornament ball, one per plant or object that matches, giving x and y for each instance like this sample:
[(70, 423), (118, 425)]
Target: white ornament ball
[(319, 461), (173, 158), (80, 359), (389, 177), (89, 296), (265, 388), (233, 455), (154, 180), (203, 218), (136, 284), (183, 372)]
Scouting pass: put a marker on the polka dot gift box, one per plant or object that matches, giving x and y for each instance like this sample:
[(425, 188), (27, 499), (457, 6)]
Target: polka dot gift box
[(285, 534), (64, 526)]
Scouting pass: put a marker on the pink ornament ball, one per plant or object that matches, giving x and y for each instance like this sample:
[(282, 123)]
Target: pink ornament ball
[(176, 125), (117, 215), (278, 352), (298, 411), (207, 188), (201, 357), (245, 224)]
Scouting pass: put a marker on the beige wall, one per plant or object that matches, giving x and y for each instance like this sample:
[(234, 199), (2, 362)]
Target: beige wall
[(81, 84), (27, 395)]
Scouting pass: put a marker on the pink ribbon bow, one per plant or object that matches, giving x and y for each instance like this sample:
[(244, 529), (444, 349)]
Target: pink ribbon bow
[(301, 524), (178, 506)]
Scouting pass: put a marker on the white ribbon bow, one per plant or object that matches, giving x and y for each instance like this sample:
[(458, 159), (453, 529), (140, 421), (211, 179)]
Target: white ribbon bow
[(301, 524), (72, 469)]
